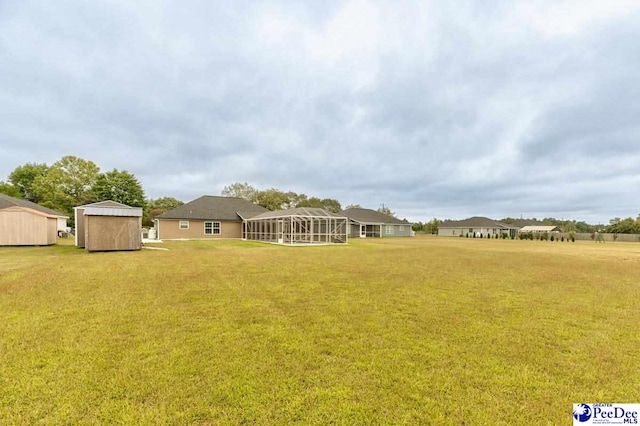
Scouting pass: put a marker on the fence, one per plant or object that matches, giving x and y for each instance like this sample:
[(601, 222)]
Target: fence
[(630, 238)]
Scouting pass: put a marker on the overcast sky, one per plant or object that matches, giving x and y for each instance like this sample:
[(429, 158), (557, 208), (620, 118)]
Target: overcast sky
[(434, 108)]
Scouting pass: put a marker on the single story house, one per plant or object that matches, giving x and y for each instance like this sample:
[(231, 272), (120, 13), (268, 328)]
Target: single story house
[(301, 225), (207, 217), (364, 223), (475, 227), (108, 226), (24, 223), (539, 229)]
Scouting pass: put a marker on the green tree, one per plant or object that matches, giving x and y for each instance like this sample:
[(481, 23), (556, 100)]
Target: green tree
[(432, 226), (569, 226), (22, 178), (623, 226), (240, 190), (10, 190), (66, 184), (295, 199), (155, 208), (272, 199), (386, 210), (119, 186), (353, 206), (328, 204)]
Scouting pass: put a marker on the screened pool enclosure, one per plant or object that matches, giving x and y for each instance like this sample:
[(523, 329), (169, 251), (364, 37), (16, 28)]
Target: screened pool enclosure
[(302, 225)]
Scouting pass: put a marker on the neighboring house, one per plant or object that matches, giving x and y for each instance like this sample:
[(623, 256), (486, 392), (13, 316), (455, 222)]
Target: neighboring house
[(521, 223), (475, 226), (207, 217), (539, 229), (108, 226), (301, 225), (371, 223), (23, 223)]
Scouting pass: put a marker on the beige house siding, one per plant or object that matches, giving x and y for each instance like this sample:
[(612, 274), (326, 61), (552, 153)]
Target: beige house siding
[(106, 233), (168, 229), (25, 227)]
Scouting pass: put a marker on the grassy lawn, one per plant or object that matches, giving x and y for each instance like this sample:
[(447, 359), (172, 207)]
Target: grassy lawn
[(395, 331)]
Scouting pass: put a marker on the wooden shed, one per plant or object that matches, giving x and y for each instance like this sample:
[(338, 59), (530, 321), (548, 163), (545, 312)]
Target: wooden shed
[(108, 226), (23, 223)]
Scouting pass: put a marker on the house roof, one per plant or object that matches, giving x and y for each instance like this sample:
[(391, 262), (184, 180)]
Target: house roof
[(370, 216), (314, 212), (7, 201), (475, 222), (521, 223), (540, 228), (210, 207)]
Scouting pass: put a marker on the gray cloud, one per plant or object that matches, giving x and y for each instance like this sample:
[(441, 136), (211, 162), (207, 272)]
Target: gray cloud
[(435, 110)]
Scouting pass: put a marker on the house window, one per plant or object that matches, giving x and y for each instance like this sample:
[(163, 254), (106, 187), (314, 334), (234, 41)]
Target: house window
[(212, 228), (401, 228), (389, 230), (184, 224)]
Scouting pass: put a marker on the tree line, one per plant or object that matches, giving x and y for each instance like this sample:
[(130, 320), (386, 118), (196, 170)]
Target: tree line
[(73, 181), (616, 225), (276, 199)]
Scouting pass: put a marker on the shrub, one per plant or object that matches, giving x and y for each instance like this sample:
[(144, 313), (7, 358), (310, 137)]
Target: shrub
[(562, 238), (552, 238)]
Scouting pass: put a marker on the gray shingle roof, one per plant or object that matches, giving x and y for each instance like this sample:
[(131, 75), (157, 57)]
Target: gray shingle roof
[(209, 207), (475, 222), (520, 223), (7, 201), (369, 216)]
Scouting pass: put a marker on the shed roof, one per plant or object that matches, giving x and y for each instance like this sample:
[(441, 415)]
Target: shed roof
[(210, 207), (7, 201), (313, 212), (475, 222), (108, 203), (110, 208), (370, 216)]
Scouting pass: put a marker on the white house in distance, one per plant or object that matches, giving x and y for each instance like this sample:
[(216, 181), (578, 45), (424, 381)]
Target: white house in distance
[(540, 229)]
